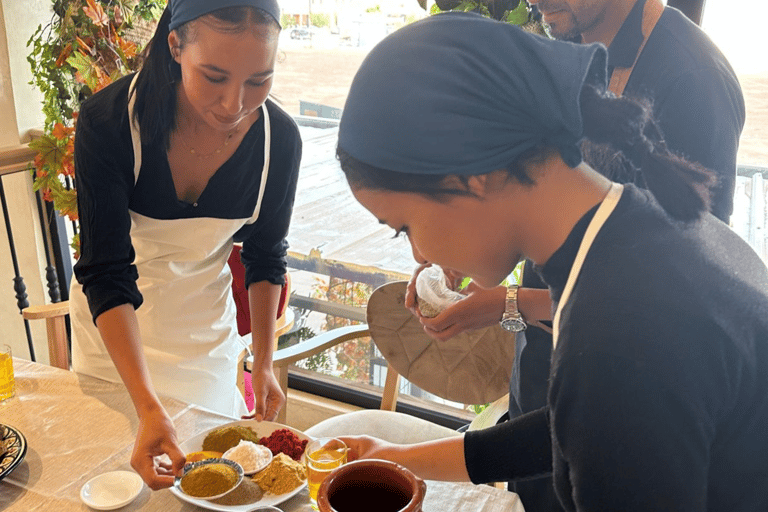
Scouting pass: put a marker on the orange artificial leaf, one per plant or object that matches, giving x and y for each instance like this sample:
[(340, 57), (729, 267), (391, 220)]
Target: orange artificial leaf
[(39, 163), (66, 203), (82, 45), (96, 13), (60, 131), (49, 151), (87, 69), (76, 245), (68, 165), (128, 47), (63, 55), (103, 81)]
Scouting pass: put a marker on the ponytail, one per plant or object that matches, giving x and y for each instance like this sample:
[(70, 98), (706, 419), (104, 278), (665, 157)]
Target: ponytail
[(155, 108), (682, 188)]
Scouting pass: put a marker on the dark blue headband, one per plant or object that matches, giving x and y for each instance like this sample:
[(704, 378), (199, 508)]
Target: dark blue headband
[(183, 11), (457, 93)]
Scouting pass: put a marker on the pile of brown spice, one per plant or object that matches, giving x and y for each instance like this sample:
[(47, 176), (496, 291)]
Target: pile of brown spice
[(222, 439), (246, 493), (209, 480), (282, 475)]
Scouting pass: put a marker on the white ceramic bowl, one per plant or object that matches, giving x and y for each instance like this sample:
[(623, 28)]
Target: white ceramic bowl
[(111, 490)]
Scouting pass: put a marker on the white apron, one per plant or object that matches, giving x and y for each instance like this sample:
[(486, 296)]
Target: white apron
[(188, 319), (601, 215)]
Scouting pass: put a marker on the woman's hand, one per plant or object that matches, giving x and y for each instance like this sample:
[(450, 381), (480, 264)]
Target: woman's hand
[(367, 447), (268, 398), (410, 291), (481, 308), (157, 437), (441, 459)]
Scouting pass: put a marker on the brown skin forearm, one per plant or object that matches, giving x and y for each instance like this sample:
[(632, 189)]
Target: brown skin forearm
[(156, 435), (268, 398), (263, 299), (442, 459), (119, 329), (534, 303)]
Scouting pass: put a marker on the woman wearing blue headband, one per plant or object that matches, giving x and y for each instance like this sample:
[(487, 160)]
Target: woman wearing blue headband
[(463, 134), (173, 165)]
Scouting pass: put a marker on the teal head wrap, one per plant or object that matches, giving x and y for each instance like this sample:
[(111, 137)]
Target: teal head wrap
[(183, 11), (457, 93)]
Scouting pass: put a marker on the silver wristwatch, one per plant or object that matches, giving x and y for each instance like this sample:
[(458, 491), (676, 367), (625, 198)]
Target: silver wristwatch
[(512, 320)]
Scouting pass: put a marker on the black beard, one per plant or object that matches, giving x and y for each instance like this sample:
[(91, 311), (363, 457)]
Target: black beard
[(574, 36)]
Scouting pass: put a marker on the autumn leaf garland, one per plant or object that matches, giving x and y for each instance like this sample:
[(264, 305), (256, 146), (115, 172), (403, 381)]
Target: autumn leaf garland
[(83, 49)]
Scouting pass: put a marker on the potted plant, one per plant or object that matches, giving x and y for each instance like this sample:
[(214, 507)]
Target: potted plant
[(516, 12)]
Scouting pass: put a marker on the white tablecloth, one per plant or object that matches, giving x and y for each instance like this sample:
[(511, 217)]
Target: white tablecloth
[(78, 427)]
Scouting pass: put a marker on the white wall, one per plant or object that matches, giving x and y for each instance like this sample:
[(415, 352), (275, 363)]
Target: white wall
[(22, 19), (20, 111)]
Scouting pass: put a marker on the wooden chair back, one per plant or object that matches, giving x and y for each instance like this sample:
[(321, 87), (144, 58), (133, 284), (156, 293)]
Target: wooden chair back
[(56, 330)]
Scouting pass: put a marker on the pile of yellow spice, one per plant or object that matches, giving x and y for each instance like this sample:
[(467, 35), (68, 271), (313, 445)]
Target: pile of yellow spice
[(281, 476)]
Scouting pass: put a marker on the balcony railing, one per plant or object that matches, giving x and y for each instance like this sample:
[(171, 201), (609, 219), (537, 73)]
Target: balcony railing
[(749, 221), (13, 161)]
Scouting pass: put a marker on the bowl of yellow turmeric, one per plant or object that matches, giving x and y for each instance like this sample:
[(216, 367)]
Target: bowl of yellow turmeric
[(209, 479)]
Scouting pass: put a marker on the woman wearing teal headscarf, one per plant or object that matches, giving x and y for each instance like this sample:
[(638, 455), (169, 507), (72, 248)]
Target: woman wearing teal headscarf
[(463, 134), (173, 165)]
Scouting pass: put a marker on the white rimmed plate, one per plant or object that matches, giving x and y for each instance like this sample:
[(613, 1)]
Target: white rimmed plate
[(111, 490), (262, 429)]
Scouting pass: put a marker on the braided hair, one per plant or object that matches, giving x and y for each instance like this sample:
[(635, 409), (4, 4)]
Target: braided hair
[(682, 188)]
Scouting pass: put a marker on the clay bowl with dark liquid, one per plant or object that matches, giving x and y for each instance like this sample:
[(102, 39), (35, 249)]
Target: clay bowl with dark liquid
[(372, 485)]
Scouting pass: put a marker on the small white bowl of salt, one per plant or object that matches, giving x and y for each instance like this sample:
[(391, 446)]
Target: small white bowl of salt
[(251, 456)]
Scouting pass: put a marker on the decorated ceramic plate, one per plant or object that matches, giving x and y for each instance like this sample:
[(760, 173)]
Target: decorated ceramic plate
[(262, 429), (13, 448)]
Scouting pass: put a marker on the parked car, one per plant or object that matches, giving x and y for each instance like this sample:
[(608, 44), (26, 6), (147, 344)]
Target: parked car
[(300, 33)]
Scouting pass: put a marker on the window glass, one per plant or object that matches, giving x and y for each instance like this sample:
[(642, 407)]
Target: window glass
[(737, 29), (322, 46)]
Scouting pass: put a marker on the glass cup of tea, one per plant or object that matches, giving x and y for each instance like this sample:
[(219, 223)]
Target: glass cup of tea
[(322, 456), (7, 383)]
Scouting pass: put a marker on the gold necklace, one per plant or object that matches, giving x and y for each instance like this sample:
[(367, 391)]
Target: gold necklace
[(217, 151)]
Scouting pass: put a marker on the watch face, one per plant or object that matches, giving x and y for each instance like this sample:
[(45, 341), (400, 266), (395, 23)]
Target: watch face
[(513, 325)]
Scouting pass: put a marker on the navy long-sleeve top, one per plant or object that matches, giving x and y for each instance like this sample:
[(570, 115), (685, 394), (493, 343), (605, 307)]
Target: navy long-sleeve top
[(696, 97), (106, 191)]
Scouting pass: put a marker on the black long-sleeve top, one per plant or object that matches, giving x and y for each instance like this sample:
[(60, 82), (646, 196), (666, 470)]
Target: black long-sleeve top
[(104, 162), (658, 396), (698, 103)]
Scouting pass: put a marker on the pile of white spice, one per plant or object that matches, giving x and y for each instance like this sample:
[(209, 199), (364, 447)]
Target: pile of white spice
[(251, 456)]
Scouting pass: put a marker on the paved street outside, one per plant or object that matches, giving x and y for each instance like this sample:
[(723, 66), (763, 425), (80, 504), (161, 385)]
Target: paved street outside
[(318, 75)]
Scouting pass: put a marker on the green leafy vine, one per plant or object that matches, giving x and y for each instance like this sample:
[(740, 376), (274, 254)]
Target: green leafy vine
[(85, 47)]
